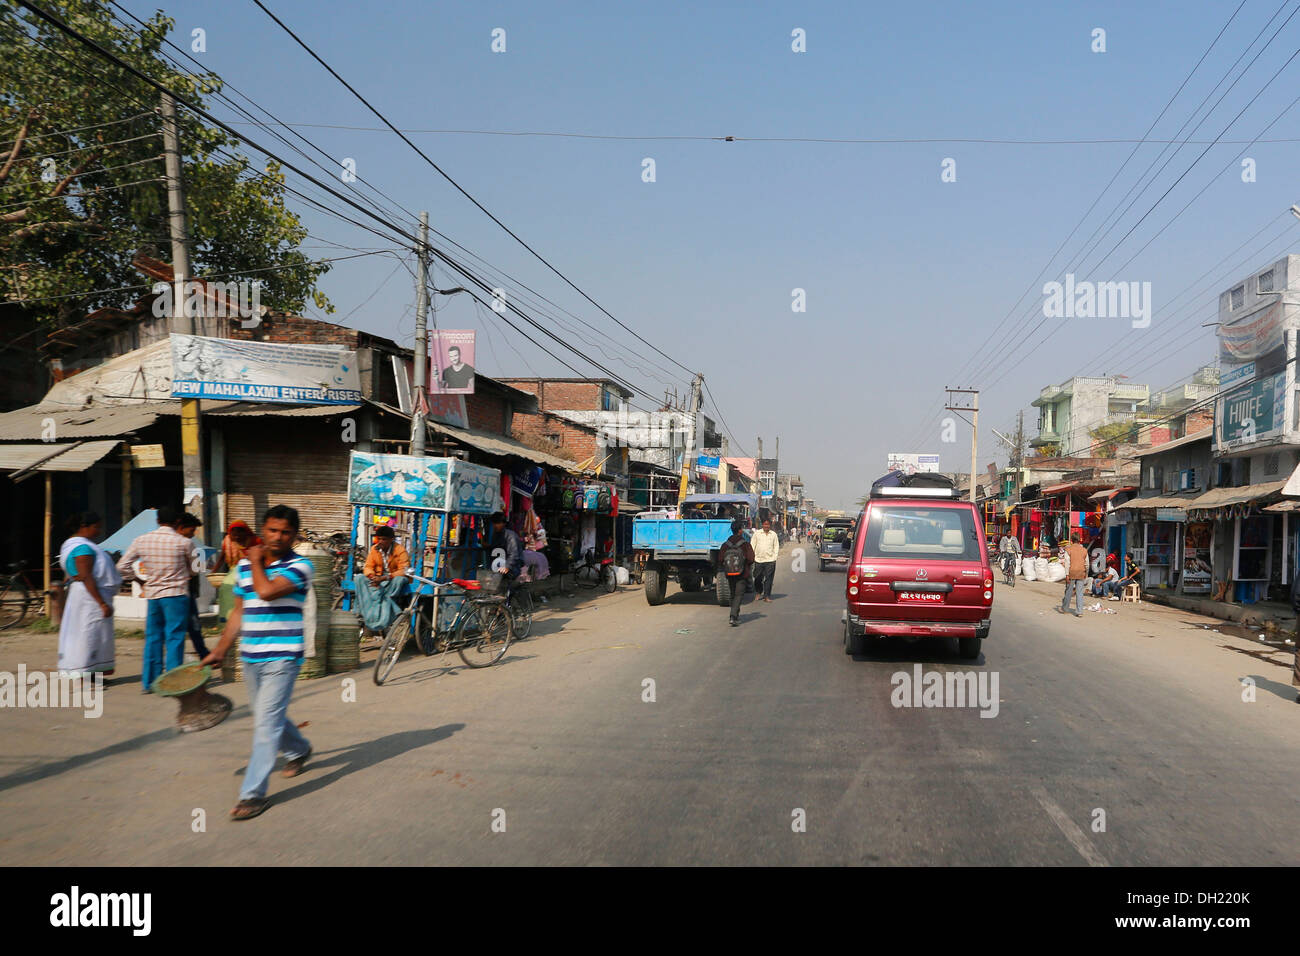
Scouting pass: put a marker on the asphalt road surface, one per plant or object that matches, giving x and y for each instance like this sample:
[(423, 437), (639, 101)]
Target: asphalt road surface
[(763, 744)]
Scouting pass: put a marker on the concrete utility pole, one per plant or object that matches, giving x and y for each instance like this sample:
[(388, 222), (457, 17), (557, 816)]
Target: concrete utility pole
[(178, 226), (421, 362), (697, 383), (974, 409)]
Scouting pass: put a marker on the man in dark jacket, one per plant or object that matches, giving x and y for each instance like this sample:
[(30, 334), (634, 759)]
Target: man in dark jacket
[(511, 553), (745, 563)]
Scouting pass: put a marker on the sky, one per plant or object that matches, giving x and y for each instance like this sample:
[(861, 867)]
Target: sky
[(910, 283)]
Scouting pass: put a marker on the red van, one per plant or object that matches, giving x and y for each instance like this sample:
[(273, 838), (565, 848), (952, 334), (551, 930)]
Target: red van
[(918, 568)]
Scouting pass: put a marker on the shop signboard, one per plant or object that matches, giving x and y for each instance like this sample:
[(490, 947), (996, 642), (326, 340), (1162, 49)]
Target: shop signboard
[(1250, 414), (1170, 514), (147, 456), (1233, 375), (263, 372), (1196, 558), (526, 480), (423, 484), (707, 465), (765, 494)]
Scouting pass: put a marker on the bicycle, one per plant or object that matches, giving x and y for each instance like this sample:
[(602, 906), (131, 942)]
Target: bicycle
[(480, 632), (593, 573), (1008, 568), (17, 597), (336, 543)]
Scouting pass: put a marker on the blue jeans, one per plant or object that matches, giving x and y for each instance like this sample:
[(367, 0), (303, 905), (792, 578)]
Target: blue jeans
[(270, 685), (1111, 588), (1077, 588), (167, 624)]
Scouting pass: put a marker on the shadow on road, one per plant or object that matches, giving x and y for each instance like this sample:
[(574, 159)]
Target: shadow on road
[(1276, 688), (349, 760), (927, 650)]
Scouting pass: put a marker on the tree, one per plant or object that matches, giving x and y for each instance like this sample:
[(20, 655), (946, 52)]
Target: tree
[(82, 178), (1049, 451), (1106, 438)]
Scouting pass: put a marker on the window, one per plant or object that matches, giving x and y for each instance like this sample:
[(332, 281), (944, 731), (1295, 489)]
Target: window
[(1265, 281), (1238, 297), (608, 403), (553, 438), (918, 533), (1272, 464)]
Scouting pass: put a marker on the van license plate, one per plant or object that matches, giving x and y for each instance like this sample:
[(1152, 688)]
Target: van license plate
[(920, 597)]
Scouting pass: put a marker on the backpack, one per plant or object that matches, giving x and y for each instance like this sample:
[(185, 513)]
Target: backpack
[(733, 559)]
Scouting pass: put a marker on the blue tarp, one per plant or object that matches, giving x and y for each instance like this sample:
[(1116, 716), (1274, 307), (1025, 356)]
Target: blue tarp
[(121, 539), (751, 500)]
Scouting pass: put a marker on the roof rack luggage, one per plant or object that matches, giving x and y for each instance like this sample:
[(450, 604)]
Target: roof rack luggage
[(922, 484)]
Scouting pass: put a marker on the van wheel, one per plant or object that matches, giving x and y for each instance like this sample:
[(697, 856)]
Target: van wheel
[(722, 586), (855, 645), (821, 565), (654, 585), (969, 648)]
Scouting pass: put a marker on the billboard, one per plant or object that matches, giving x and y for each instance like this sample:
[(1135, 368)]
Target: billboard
[(263, 372), (423, 484), (1253, 413), (452, 352), (910, 464)]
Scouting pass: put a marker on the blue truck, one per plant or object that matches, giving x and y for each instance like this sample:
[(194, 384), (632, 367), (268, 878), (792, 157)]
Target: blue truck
[(686, 546)]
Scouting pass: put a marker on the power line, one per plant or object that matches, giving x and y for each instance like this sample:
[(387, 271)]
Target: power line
[(312, 53)]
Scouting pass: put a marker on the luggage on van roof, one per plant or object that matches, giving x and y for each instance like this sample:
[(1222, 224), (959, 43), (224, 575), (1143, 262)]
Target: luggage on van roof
[(901, 482)]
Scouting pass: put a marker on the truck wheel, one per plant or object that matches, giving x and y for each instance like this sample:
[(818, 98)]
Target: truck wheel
[(654, 584), (689, 580), (821, 565), (722, 585), (969, 648)]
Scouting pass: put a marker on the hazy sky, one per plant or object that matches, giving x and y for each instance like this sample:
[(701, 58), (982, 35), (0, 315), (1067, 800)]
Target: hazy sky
[(907, 278)]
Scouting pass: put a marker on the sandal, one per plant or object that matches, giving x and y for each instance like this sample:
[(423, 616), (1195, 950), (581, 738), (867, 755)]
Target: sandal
[(296, 766), (247, 809)]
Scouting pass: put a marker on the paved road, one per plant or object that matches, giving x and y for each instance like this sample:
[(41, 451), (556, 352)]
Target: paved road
[(1137, 713)]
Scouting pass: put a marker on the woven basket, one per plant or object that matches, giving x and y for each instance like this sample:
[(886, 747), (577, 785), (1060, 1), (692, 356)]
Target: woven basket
[(322, 591), (344, 652)]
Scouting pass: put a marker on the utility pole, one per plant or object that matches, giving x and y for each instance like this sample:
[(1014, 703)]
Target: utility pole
[(974, 409), (418, 400), (178, 226), (1018, 453), (696, 384)]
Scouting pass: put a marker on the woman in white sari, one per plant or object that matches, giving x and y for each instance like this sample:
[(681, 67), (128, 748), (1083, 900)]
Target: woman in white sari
[(86, 634)]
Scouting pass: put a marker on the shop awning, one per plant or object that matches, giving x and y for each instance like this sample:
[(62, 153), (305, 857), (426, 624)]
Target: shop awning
[(1057, 489), (1292, 486), (1281, 506), (1227, 497), (1155, 501), (1108, 493), (43, 456), (501, 445)]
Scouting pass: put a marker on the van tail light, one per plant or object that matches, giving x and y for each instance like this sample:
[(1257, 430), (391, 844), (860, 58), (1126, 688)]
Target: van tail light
[(853, 577), (988, 582)]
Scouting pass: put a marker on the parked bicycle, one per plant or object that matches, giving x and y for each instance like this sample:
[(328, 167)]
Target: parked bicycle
[(18, 597), (596, 572), (336, 543), (480, 632)]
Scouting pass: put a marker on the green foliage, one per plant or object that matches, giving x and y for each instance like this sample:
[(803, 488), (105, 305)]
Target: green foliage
[(77, 203), (1049, 451), (1106, 438)]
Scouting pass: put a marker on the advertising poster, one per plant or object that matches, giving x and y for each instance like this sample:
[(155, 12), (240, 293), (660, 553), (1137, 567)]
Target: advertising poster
[(1196, 558), (910, 464), (423, 484), (1252, 413), (263, 372), (452, 353)]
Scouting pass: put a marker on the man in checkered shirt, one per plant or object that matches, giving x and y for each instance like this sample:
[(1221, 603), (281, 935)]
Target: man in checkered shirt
[(166, 566)]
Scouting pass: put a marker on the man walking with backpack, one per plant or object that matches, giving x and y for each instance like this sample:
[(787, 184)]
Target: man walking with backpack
[(736, 558)]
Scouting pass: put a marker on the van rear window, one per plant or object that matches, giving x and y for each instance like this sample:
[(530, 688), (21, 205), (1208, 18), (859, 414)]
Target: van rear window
[(916, 532)]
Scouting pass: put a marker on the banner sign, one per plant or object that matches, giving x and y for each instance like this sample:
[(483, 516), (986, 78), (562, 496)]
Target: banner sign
[(1250, 414), (1251, 337), (910, 464), (241, 371), (452, 351), (526, 480), (1229, 376), (707, 465), (1196, 558), (1171, 514), (423, 484)]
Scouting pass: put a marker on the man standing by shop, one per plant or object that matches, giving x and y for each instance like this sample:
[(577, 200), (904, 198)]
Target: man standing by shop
[(1076, 574), (512, 553), (766, 547), (272, 588), (164, 556)]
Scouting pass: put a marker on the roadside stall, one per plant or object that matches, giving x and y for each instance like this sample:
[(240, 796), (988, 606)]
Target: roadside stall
[(439, 505)]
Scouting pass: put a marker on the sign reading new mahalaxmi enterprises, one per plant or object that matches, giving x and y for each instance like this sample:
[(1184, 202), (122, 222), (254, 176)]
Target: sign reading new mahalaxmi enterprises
[(263, 372)]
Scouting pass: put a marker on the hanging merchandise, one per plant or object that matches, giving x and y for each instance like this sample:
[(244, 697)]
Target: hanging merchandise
[(591, 497), (505, 495), (602, 498), (568, 496)]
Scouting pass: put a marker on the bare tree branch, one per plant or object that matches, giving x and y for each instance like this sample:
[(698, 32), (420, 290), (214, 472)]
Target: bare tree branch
[(18, 145)]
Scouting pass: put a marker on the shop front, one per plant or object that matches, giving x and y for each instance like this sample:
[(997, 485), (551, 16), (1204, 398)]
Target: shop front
[(1246, 542)]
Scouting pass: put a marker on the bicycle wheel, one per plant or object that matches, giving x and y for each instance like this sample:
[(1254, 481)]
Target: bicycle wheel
[(484, 634), (14, 598), (521, 612), (398, 634)]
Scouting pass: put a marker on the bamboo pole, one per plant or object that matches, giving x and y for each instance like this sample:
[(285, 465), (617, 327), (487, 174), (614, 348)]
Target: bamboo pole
[(49, 504)]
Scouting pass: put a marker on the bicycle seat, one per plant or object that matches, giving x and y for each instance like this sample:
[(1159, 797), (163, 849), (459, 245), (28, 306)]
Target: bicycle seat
[(467, 585), (15, 566)]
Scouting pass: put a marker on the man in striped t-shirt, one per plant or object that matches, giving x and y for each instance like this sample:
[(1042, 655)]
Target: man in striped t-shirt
[(273, 584)]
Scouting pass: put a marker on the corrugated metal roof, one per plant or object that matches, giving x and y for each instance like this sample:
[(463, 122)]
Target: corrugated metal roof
[(1202, 435), (500, 445), (72, 456), (1223, 497), (34, 421), (1157, 501)]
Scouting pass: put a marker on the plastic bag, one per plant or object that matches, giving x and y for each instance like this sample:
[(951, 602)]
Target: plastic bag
[(1028, 569), (1056, 573), (1040, 568)]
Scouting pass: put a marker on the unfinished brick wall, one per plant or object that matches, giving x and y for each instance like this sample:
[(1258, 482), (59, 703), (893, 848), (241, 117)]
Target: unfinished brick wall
[(576, 442), (552, 396), (487, 412)]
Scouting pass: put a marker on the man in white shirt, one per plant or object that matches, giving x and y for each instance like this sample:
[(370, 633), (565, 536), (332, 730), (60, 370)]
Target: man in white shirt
[(766, 546)]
